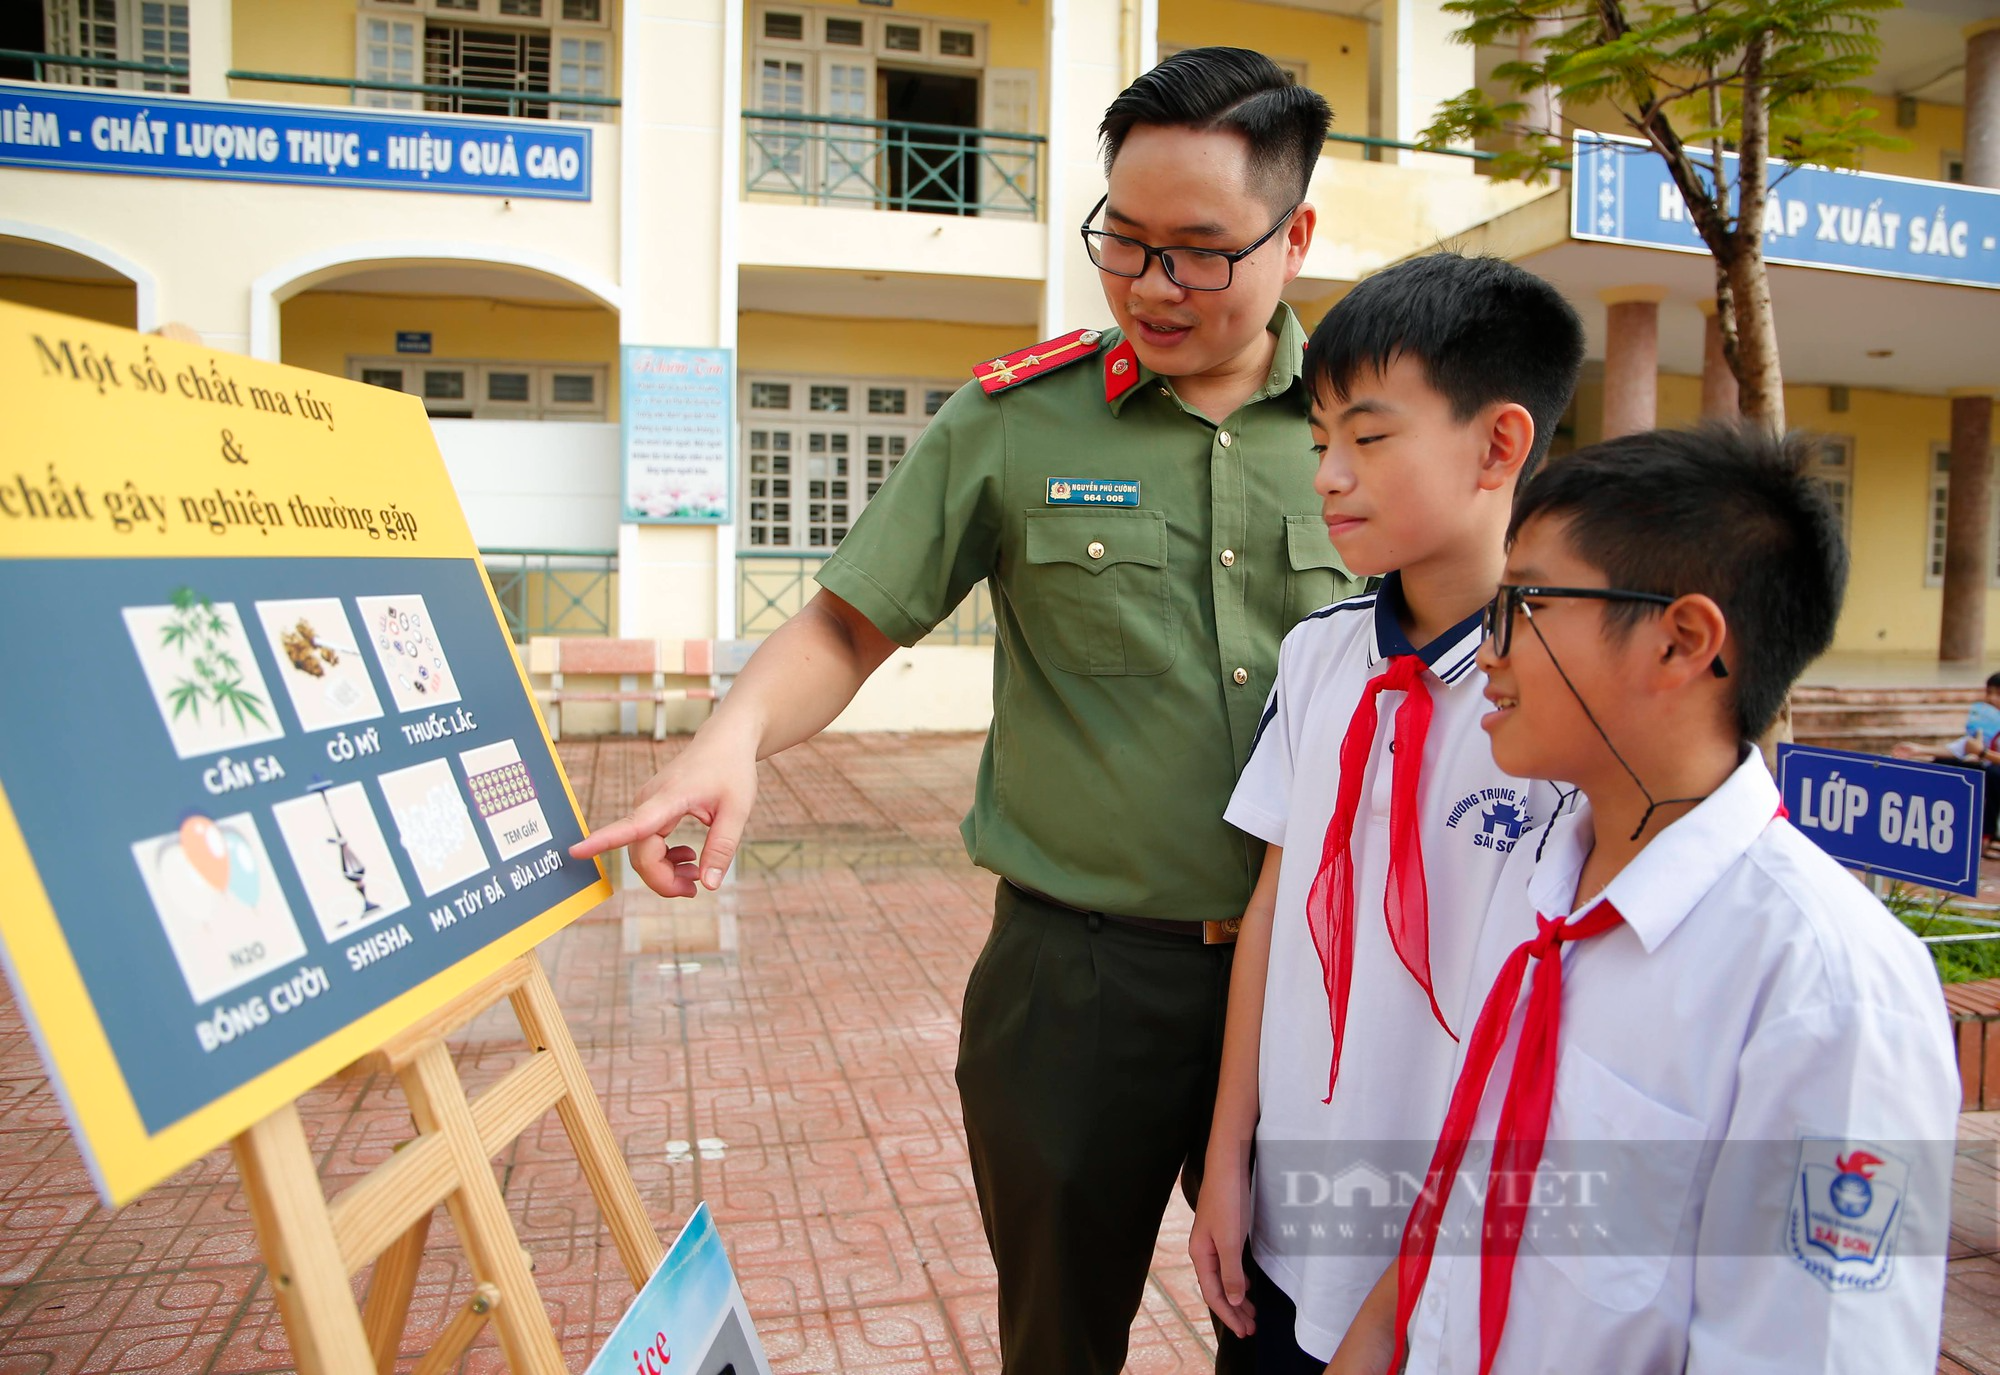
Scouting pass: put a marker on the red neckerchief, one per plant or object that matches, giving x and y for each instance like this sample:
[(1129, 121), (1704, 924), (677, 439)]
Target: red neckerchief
[(1524, 1125), (1406, 901)]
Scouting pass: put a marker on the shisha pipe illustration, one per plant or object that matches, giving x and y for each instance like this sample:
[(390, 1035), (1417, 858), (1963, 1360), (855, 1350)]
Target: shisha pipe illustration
[(351, 867)]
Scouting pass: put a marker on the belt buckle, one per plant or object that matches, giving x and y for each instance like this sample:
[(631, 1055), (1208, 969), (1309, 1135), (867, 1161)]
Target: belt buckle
[(1221, 932)]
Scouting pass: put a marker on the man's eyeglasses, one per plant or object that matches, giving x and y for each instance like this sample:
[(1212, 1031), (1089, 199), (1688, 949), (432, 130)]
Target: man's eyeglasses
[(1498, 619), (1191, 269)]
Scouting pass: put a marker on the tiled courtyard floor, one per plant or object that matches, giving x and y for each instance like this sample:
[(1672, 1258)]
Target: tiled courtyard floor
[(783, 1050)]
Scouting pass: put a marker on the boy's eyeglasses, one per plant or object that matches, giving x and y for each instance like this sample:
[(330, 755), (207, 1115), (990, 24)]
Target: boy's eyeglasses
[(1191, 269), (1498, 619)]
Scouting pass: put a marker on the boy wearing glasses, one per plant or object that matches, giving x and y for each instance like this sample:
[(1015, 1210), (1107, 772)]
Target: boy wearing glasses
[(1139, 502), (1685, 1010), (1436, 386)]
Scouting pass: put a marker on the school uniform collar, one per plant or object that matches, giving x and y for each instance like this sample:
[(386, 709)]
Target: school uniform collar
[(1450, 656), (1287, 362), (1664, 882)]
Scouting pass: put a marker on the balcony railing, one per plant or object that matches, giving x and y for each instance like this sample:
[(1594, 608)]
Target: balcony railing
[(884, 165), (553, 591), (175, 74), (465, 99), (772, 586)]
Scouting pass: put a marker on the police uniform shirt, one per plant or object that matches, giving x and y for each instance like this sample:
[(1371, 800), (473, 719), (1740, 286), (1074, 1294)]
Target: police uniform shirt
[(1755, 1086), (1144, 563), (1327, 1203)]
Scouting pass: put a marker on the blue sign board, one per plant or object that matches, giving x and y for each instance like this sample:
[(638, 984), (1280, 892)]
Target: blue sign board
[(1931, 231), (169, 136), (677, 421), (1919, 822), (413, 341)]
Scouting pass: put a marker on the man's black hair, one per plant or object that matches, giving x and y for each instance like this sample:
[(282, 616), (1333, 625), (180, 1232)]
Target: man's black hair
[(1484, 330), (1236, 90), (1993, 682), (1722, 509)]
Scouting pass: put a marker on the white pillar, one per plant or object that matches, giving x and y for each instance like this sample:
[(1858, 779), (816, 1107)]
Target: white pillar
[(1422, 67), (211, 46), (682, 91), (1084, 78)]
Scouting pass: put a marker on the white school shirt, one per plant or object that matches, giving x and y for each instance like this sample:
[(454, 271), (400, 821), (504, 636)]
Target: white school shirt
[(1327, 1208), (1762, 1010)]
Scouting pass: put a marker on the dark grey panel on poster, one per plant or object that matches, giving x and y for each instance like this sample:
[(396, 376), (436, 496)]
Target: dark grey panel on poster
[(89, 766)]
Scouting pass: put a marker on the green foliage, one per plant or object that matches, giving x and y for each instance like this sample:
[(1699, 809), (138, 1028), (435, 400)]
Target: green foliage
[(1677, 72), (199, 637), (1932, 915)]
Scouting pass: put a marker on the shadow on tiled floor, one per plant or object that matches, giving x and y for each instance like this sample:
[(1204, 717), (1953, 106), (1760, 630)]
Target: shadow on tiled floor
[(783, 1050)]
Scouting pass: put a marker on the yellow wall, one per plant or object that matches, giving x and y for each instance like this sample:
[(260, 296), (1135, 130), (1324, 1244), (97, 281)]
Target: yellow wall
[(869, 348), (1015, 31), (111, 303), (319, 38), (1939, 129), (1333, 47), (298, 38), (1889, 610), (322, 329)]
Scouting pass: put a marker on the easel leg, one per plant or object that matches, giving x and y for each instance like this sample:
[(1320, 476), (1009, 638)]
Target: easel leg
[(437, 1102), (589, 1130), (395, 1280), (298, 1243)]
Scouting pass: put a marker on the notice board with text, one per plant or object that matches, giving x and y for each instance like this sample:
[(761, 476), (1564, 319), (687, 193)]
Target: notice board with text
[(272, 780)]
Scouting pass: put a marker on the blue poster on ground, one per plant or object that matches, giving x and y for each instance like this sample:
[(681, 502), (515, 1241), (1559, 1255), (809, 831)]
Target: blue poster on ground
[(689, 1318)]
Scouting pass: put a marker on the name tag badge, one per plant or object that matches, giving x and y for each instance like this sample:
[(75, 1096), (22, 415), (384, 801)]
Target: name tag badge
[(1093, 491)]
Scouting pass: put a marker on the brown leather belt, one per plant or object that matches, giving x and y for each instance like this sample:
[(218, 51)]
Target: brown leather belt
[(1209, 932)]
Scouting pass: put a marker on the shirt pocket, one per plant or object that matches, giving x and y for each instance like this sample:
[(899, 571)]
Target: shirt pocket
[(1622, 1166), (1314, 575), (1095, 597)]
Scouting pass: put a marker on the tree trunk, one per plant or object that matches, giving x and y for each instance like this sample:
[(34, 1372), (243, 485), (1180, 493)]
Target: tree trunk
[(1759, 377)]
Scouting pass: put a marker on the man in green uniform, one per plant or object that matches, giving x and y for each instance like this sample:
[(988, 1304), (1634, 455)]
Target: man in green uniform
[(1140, 502)]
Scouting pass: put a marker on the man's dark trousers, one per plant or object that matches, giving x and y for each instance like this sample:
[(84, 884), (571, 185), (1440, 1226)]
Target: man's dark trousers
[(1087, 1067)]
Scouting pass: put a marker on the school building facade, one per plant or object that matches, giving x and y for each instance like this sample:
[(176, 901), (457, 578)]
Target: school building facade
[(857, 202)]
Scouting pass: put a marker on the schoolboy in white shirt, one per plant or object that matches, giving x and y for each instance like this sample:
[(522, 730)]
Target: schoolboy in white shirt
[(1436, 384), (1708, 1015)]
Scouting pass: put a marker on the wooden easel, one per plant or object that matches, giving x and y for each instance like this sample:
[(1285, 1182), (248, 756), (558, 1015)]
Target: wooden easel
[(314, 1247)]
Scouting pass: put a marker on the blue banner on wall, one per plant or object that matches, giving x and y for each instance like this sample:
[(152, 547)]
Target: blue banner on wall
[(168, 136), (1919, 822), (1930, 231)]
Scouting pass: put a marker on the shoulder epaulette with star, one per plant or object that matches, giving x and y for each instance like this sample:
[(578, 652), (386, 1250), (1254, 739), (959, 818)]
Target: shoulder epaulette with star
[(1038, 360)]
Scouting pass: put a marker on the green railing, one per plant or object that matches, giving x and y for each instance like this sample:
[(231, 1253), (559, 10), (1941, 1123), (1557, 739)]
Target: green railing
[(884, 165), (38, 63), (470, 99), (772, 585), (1373, 147), (554, 591)]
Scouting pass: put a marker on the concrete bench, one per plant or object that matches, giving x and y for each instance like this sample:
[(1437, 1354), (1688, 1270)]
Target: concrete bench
[(1975, 1029), (651, 662)]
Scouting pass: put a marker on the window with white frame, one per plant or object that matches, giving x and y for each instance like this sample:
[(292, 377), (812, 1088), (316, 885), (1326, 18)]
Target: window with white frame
[(892, 38), (153, 31), (481, 389), (561, 47), (1293, 68), (1939, 506), (1834, 466), (817, 449)]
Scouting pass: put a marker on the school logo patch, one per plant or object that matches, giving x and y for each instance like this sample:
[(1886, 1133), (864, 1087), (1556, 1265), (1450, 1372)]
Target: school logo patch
[(1847, 1203), (1494, 818)]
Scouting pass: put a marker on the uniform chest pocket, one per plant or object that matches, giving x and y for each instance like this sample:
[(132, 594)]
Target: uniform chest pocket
[(1619, 1167), (1314, 575), (1094, 595)]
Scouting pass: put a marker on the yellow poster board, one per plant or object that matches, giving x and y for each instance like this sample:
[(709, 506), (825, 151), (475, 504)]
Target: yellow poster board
[(272, 782)]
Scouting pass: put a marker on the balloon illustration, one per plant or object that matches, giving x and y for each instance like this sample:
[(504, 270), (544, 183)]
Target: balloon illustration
[(206, 850), (245, 879)]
